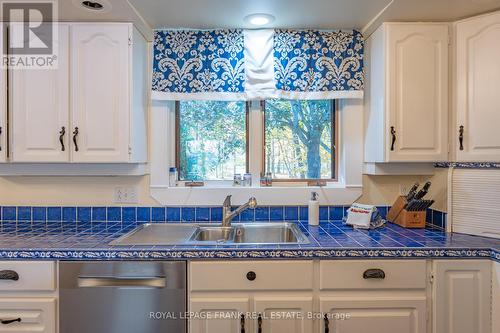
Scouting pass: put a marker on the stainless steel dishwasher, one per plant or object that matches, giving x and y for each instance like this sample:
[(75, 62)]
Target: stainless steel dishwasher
[(122, 297)]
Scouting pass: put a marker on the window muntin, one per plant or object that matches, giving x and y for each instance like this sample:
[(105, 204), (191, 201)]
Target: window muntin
[(299, 140), (211, 139)]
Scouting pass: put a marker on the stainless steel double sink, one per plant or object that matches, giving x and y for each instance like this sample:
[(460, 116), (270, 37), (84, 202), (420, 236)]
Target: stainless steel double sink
[(213, 234)]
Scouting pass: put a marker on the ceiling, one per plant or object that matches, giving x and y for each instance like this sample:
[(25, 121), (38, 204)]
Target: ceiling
[(364, 15)]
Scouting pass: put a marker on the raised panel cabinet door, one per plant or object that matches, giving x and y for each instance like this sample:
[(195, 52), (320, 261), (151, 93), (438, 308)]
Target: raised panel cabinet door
[(100, 74), (417, 81), (219, 314), (39, 104), (374, 315), (291, 314), (461, 296), (3, 108), (478, 92), (28, 315)]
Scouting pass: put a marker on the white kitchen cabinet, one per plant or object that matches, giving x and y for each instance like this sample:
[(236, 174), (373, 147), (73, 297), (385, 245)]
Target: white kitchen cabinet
[(94, 103), (462, 296), (373, 314), (219, 314), (283, 314), (3, 106), (477, 90), (495, 297), (406, 93), (28, 315), (39, 109)]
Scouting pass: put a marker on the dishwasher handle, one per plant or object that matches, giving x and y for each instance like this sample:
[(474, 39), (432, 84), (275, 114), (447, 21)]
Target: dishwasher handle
[(114, 282)]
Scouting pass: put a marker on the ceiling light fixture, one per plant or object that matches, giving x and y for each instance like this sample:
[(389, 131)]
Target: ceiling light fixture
[(259, 19), (92, 5)]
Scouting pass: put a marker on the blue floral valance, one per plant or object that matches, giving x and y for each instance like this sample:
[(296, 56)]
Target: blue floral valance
[(198, 62), (257, 64), (318, 61)]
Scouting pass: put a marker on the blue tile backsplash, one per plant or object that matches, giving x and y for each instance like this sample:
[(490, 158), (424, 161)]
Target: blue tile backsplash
[(435, 219)]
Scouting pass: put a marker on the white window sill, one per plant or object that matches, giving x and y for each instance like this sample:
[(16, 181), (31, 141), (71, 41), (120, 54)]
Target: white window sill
[(269, 196)]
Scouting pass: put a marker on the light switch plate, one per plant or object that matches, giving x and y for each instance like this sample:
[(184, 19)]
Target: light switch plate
[(126, 194)]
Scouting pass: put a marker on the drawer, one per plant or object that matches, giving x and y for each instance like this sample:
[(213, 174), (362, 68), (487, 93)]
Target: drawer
[(31, 315), (31, 275), (269, 275), (350, 274)]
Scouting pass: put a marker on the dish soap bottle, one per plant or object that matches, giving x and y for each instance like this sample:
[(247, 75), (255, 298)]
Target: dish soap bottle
[(314, 209)]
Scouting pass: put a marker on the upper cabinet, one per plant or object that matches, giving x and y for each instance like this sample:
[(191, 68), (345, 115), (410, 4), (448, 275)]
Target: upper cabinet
[(477, 92), (92, 108), (406, 94)]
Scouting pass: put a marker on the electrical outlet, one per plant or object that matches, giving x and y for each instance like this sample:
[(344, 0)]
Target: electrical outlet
[(126, 194)]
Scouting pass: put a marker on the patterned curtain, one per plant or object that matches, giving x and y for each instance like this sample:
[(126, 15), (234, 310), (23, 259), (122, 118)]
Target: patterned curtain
[(196, 64), (257, 64), (311, 61)]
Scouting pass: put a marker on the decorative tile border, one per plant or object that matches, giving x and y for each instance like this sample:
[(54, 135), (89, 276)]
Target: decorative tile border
[(252, 254), (468, 165)]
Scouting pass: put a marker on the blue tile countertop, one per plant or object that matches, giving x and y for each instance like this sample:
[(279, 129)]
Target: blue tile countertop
[(89, 241)]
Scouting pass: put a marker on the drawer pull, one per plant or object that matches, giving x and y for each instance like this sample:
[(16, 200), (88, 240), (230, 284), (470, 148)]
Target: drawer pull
[(374, 273), (259, 323), (242, 324), (251, 276), (327, 324), (10, 321), (9, 275)]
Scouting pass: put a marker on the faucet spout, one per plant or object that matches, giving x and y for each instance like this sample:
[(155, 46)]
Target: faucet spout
[(228, 215)]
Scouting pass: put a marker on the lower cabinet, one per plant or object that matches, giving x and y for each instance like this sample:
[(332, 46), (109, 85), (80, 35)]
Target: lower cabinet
[(28, 315), (283, 313), (219, 314), (374, 315), (462, 296)]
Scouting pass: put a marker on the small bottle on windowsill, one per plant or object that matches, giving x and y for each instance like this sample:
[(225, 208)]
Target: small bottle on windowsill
[(172, 177)]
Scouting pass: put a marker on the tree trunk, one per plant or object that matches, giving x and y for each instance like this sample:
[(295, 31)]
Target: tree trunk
[(313, 157)]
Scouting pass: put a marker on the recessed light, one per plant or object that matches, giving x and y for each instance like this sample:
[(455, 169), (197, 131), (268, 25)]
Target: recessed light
[(259, 19), (92, 5)]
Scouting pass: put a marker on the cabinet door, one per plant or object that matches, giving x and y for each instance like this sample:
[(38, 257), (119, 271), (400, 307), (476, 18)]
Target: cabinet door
[(3, 107), (219, 315), (40, 109), (478, 92), (462, 296), (283, 314), (100, 80), (28, 315), (417, 60), (374, 315)]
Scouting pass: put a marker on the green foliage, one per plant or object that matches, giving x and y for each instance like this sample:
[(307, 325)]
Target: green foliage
[(212, 139)]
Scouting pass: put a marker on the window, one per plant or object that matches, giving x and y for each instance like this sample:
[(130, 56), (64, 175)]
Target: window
[(211, 139), (300, 139)]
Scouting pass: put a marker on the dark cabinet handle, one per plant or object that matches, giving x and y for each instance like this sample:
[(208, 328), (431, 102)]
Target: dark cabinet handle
[(374, 273), (327, 324), (251, 276), (9, 275), (10, 321), (75, 134), (393, 134), (259, 323), (0, 134), (242, 323), (61, 137), (461, 137)]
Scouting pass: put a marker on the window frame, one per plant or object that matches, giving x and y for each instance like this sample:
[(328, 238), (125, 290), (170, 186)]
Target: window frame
[(178, 143), (334, 139)]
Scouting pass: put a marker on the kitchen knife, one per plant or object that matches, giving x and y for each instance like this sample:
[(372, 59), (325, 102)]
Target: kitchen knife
[(412, 192), (423, 191)]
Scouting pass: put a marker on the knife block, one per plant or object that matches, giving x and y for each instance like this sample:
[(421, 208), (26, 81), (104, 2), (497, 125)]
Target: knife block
[(398, 215)]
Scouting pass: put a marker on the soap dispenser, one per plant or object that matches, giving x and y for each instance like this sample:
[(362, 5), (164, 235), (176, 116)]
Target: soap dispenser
[(314, 209)]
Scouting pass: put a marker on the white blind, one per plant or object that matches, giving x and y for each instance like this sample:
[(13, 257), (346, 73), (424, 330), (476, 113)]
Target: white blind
[(475, 202)]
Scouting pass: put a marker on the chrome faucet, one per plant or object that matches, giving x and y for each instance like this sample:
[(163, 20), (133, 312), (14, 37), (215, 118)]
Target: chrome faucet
[(228, 215)]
